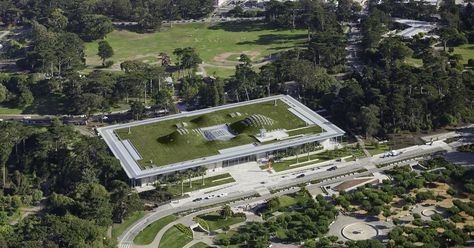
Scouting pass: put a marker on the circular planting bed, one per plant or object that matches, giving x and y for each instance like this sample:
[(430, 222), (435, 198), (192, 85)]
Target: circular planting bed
[(359, 231)]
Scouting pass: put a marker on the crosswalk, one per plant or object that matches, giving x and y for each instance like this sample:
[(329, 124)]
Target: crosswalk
[(126, 245)]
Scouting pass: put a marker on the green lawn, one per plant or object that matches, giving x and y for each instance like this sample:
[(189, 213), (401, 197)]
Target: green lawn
[(149, 233), (414, 62), (374, 150), (4, 110), (226, 235), (215, 221), (200, 245), (315, 158), (466, 50), (158, 143), (174, 238), (215, 43), (219, 71), (286, 201), (175, 189), (118, 229)]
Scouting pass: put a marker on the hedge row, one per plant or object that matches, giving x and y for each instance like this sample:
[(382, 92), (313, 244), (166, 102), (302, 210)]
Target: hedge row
[(184, 229)]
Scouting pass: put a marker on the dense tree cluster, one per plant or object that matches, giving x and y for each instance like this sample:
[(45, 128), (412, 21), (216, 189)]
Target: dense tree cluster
[(80, 179), (376, 199), (254, 234), (403, 236), (98, 91), (311, 15), (91, 19), (311, 218), (466, 148), (307, 219)]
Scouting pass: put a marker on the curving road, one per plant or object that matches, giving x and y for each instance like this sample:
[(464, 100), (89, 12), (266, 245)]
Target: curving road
[(283, 180)]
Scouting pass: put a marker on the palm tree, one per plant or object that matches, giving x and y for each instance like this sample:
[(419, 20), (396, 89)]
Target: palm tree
[(226, 212), (189, 174), (165, 59), (202, 172), (180, 176)]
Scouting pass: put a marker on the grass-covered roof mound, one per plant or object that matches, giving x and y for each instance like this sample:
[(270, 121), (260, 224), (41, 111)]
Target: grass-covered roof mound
[(164, 143)]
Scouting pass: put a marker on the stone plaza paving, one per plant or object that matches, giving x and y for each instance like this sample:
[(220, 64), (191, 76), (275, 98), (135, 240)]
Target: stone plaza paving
[(364, 227)]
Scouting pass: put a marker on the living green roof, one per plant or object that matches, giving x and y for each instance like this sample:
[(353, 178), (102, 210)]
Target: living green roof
[(168, 141)]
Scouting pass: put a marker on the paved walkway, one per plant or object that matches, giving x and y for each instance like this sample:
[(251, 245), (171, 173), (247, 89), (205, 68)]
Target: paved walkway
[(342, 221)]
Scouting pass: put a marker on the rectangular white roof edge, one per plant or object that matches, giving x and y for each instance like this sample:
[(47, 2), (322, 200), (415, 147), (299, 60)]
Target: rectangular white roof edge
[(134, 171)]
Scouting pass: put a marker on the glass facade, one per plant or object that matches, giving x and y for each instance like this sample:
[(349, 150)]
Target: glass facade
[(240, 160)]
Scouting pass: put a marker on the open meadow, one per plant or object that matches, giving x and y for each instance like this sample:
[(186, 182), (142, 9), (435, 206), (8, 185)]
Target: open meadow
[(219, 45)]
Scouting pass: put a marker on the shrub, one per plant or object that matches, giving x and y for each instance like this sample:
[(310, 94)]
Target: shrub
[(451, 191), (108, 63), (416, 216), (470, 62), (239, 215), (436, 217), (396, 221), (418, 222), (454, 210), (440, 198), (202, 222), (457, 218), (184, 229)]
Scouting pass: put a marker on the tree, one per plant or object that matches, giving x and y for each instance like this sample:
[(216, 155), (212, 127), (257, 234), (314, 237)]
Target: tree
[(3, 93), (126, 201), (137, 109), (105, 51), (226, 212), (122, 9), (202, 171), (392, 50), (180, 176), (93, 203), (451, 36), (273, 203), (187, 58), (164, 100), (93, 27), (165, 59), (57, 21), (343, 11), (369, 120)]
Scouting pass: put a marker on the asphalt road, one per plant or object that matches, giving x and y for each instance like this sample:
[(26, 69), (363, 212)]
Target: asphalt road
[(126, 239)]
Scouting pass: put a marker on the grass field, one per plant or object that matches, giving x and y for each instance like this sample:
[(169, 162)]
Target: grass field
[(118, 229), (174, 238), (158, 143), (414, 62), (200, 245), (217, 44), (466, 50), (374, 150), (175, 189), (148, 234), (5, 110), (215, 221), (286, 201)]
